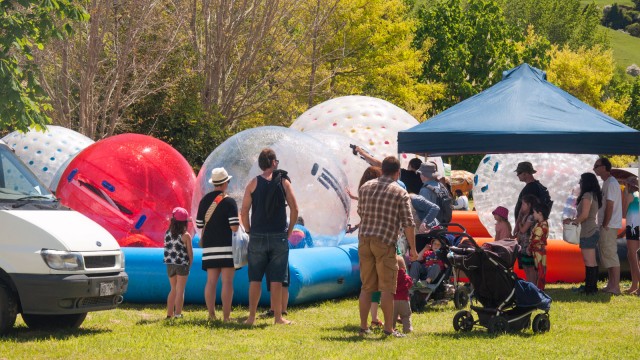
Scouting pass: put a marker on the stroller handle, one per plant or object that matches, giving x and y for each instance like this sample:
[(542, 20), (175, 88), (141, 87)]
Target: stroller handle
[(461, 251), (448, 225)]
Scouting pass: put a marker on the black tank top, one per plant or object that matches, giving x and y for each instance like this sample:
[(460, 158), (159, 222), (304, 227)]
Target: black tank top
[(259, 222)]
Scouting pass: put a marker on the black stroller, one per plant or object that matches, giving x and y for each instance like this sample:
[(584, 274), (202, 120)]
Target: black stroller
[(505, 301), (445, 286)]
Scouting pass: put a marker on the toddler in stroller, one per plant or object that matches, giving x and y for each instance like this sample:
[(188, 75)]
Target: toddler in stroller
[(432, 273), (505, 301)]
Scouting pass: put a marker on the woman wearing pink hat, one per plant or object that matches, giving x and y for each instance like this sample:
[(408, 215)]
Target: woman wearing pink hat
[(503, 227)]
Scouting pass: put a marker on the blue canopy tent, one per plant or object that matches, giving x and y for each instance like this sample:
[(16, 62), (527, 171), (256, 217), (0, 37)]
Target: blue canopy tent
[(522, 113)]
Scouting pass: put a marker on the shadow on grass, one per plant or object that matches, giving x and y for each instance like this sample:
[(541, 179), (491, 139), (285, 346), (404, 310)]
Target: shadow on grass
[(571, 296), (24, 334), (481, 333), (234, 324), (354, 334)]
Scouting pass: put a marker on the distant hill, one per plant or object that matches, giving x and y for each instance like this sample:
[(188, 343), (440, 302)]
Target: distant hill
[(626, 48)]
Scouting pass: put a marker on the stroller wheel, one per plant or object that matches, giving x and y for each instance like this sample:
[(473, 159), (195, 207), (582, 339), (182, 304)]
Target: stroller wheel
[(541, 323), (463, 321), (461, 297), (498, 325), (418, 301)]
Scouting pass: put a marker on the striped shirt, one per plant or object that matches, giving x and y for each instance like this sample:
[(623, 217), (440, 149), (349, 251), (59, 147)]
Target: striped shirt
[(384, 208), (217, 234)]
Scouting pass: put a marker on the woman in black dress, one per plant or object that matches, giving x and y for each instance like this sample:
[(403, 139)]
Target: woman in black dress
[(218, 219)]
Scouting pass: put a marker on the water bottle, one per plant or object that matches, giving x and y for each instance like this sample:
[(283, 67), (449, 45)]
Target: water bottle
[(570, 210)]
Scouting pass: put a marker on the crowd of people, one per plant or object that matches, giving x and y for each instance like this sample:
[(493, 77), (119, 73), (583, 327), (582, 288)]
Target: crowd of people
[(393, 203)]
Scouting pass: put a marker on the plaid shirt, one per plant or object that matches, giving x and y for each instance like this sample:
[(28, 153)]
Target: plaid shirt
[(384, 208)]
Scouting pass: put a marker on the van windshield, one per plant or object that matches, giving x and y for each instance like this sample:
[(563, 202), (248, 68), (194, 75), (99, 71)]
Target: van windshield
[(17, 182)]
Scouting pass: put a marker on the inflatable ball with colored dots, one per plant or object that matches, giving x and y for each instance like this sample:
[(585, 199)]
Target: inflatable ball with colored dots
[(367, 120), (46, 152), (496, 184), (316, 176)]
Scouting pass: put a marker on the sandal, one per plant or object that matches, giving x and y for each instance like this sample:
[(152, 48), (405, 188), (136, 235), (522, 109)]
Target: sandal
[(376, 323), (394, 333)]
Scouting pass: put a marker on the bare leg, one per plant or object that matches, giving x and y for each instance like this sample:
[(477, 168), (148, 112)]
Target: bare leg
[(255, 290), (227, 292), (386, 303), (634, 267), (276, 300), (374, 312), (285, 298), (210, 291), (589, 257), (171, 298), (614, 279), (364, 305), (181, 284)]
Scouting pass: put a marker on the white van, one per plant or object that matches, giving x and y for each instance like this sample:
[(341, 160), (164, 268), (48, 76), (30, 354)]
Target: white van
[(55, 264)]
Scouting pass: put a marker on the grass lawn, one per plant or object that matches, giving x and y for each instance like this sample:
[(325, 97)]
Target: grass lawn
[(597, 327), (603, 3), (626, 48)]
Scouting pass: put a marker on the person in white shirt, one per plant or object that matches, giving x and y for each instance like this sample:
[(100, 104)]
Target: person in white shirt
[(610, 221), (462, 202)]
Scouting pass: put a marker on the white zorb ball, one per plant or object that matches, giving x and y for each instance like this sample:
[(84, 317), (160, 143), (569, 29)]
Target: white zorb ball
[(352, 165), (496, 184), (369, 121), (317, 179), (46, 152)]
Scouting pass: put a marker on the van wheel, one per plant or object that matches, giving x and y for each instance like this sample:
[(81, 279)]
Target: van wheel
[(68, 321), (8, 309)]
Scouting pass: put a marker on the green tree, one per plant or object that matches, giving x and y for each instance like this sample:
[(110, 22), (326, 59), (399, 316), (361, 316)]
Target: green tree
[(26, 25), (632, 115), (562, 22), (468, 46)]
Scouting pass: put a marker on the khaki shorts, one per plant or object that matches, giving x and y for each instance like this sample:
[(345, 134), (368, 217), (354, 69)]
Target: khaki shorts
[(378, 265), (180, 270), (608, 245)]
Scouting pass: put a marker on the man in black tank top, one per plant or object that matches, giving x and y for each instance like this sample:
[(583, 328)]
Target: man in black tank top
[(267, 196)]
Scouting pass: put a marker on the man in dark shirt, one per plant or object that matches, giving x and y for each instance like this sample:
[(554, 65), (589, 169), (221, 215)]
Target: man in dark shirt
[(265, 195), (525, 172), (410, 177)]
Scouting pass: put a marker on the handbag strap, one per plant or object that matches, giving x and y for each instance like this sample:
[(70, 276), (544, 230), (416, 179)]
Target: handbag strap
[(212, 208)]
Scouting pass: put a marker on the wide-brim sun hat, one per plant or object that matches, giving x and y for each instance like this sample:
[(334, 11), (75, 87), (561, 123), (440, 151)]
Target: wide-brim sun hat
[(219, 176)]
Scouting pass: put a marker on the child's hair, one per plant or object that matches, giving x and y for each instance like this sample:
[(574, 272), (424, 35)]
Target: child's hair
[(177, 227), (531, 200), (401, 263), (541, 208), (439, 242)]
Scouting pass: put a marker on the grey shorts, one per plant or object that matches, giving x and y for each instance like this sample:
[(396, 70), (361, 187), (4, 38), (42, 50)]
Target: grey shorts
[(268, 254), (589, 242), (180, 270)]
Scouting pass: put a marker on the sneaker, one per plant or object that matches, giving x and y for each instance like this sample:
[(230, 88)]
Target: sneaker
[(364, 332), (178, 316), (419, 285), (394, 333)]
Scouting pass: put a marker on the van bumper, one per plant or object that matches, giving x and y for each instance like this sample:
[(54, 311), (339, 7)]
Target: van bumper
[(69, 294)]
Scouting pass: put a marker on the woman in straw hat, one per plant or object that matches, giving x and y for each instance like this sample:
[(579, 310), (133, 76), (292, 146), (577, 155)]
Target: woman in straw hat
[(218, 219)]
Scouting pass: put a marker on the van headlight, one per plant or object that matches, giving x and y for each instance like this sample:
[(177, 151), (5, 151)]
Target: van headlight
[(62, 260), (122, 259)]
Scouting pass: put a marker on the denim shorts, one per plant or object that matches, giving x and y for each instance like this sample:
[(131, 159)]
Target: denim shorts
[(268, 254), (589, 242)]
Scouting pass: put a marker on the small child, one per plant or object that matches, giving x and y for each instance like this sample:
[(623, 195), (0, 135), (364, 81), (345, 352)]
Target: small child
[(503, 226), (178, 253), (428, 266), (401, 306), (538, 244)]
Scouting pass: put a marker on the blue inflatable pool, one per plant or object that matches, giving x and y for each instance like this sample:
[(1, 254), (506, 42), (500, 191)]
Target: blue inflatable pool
[(317, 274)]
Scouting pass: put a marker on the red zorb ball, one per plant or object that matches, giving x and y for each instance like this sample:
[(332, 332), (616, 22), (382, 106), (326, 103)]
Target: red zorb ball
[(129, 184)]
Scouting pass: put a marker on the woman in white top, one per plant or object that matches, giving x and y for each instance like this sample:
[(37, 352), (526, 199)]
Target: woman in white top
[(462, 203)]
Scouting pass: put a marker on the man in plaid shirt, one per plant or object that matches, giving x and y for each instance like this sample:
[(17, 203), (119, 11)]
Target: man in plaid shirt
[(384, 208)]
